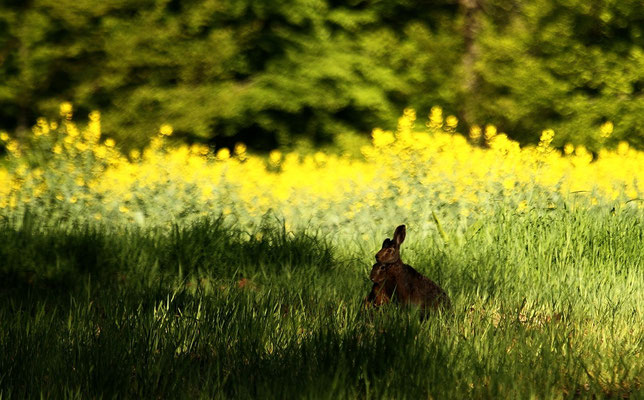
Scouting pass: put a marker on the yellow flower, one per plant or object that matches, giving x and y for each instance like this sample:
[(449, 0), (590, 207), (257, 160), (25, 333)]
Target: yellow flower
[(199, 149), (275, 157), (475, 132), (508, 184), (206, 193), (581, 151), (546, 137), (100, 152), (12, 147), (451, 122), (240, 149), (41, 128), (81, 146), (320, 157), (166, 130), (72, 130), (622, 148), (406, 122), (606, 129), (408, 168), (223, 154), (435, 117), (382, 138), (490, 132), (66, 109)]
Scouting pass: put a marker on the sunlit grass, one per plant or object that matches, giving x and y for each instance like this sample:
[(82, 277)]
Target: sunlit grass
[(544, 305)]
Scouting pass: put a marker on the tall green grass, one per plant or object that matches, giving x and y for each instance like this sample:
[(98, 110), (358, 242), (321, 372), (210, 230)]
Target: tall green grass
[(546, 304)]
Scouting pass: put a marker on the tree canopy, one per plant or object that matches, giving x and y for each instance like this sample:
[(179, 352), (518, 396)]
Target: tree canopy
[(270, 72)]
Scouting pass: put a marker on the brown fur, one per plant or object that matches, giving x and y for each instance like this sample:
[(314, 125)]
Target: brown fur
[(382, 289), (391, 276), (378, 296)]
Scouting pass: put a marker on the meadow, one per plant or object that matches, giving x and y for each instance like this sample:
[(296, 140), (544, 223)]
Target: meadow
[(175, 271)]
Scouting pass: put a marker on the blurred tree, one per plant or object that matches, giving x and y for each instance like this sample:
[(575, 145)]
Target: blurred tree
[(471, 11), (568, 65), (30, 60), (272, 72), (261, 71)]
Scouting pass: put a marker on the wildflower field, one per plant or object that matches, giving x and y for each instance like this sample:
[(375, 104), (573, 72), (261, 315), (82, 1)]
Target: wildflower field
[(179, 271)]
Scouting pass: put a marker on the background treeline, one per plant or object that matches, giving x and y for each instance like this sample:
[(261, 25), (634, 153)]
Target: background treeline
[(272, 72)]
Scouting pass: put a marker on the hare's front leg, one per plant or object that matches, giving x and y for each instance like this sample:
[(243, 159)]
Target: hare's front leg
[(377, 297)]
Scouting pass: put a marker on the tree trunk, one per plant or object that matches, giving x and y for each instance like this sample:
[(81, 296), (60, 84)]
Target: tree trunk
[(471, 10), (22, 130)]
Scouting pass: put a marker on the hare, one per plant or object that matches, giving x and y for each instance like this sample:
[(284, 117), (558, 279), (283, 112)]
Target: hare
[(390, 275), (382, 289)]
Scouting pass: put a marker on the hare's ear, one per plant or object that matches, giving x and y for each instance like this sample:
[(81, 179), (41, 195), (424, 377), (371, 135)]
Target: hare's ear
[(399, 235), (386, 243)]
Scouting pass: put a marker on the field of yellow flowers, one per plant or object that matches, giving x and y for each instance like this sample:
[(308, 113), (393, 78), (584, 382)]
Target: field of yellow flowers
[(420, 170)]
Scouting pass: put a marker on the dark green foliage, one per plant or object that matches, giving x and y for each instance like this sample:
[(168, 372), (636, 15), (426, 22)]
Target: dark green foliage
[(268, 73), (566, 65)]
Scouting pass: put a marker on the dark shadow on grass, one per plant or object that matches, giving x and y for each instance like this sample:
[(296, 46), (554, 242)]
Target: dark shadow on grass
[(64, 259)]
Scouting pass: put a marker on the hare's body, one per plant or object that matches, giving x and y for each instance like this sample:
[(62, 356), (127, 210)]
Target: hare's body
[(381, 291), (411, 287), (378, 295), (395, 280)]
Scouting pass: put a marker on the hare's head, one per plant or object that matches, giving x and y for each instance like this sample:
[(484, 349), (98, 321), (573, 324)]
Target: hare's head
[(378, 273), (390, 251)]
